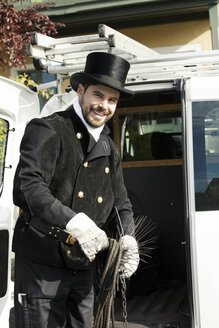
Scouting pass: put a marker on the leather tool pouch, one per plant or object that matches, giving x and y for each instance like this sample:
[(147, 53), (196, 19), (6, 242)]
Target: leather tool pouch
[(73, 256)]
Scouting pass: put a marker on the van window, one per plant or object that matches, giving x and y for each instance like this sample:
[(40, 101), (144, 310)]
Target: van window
[(4, 126), (150, 133), (206, 154)]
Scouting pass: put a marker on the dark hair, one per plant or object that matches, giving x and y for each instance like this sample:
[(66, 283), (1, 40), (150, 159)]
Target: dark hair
[(86, 85)]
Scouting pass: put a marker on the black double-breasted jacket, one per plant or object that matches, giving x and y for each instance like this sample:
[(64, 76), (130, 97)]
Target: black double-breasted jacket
[(62, 171)]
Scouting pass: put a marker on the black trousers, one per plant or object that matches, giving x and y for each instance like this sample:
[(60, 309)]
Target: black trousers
[(51, 297)]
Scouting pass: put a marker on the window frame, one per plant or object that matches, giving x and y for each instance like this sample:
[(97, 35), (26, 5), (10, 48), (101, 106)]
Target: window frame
[(143, 109), (4, 158)]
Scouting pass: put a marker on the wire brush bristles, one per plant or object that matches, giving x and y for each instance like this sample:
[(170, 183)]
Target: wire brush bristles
[(107, 270), (146, 234)]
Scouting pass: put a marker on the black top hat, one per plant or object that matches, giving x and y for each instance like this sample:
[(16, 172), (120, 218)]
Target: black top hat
[(104, 68)]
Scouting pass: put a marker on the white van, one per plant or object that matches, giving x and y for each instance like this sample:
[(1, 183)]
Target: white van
[(168, 138), (18, 105)]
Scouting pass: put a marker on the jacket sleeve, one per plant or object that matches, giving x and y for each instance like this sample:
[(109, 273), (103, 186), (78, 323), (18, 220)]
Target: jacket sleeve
[(39, 152), (122, 202)]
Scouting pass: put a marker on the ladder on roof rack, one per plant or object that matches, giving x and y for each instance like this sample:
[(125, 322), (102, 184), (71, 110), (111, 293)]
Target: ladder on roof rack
[(67, 55)]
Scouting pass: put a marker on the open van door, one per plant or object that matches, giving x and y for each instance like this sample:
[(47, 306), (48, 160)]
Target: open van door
[(201, 120), (18, 104)]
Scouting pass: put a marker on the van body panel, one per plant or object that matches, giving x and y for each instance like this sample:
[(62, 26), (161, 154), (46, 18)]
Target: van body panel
[(202, 172), (17, 106), (207, 250)]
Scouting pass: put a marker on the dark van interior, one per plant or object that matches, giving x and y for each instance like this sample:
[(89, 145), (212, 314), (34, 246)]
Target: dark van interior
[(148, 133)]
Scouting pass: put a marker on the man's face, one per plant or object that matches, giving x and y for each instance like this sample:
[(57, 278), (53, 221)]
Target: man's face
[(98, 103)]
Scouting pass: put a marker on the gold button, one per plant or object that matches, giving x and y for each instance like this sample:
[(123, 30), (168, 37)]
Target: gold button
[(106, 170), (99, 200), (79, 135), (85, 164), (80, 194), (68, 252)]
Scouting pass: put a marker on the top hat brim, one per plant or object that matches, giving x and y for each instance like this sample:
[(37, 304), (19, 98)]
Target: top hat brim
[(83, 77)]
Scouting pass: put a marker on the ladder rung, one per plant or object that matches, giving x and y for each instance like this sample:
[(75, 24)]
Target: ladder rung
[(73, 48), (48, 42), (68, 69)]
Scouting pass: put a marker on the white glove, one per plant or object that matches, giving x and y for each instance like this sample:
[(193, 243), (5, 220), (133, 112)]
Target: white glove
[(130, 256), (91, 238)]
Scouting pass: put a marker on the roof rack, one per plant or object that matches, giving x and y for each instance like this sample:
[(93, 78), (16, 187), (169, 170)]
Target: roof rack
[(65, 56), (69, 54)]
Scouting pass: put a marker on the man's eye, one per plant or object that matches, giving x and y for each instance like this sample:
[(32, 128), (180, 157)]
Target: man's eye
[(98, 95), (113, 101)]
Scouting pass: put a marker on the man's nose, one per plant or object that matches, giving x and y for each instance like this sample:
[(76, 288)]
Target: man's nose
[(104, 104)]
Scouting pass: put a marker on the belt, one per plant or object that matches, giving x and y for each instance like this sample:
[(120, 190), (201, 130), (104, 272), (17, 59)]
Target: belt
[(51, 231)]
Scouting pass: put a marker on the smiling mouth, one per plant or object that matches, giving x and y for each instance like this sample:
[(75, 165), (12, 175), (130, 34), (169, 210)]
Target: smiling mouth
[(99, 114)]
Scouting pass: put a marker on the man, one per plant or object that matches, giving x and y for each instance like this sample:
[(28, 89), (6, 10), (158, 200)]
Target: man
[(67, 184)]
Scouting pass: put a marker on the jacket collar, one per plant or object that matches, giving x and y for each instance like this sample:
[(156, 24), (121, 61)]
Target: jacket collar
[(94, 149), (100, 149), (95, 132)]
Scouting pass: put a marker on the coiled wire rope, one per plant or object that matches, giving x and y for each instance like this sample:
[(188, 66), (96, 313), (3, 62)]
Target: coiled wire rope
[(107, 274)]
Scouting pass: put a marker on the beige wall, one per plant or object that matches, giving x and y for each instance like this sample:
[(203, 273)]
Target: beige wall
[(173, 34)]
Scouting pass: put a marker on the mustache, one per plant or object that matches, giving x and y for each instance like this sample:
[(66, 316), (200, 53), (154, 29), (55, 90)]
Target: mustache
[(97, 109)]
